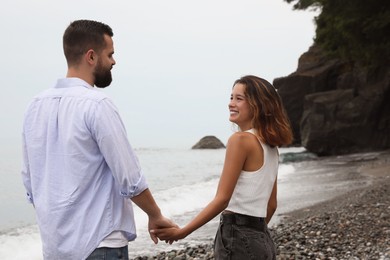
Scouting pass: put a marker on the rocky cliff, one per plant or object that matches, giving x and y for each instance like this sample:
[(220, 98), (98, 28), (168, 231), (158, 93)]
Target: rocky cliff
[(336, 107)]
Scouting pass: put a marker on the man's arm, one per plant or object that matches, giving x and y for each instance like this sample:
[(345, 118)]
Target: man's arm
[(110, 135), (147, 203)]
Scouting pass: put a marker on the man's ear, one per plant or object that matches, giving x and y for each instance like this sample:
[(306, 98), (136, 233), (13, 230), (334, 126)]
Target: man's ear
[(91, 57)]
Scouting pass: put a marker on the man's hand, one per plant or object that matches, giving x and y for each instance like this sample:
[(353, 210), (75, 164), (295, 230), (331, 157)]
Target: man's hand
[(146, 202), (168, 234), (160, 223)]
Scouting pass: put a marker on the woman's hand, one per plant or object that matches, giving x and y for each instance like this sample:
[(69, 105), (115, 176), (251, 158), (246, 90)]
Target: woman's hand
[(169, 234), (160, 222)]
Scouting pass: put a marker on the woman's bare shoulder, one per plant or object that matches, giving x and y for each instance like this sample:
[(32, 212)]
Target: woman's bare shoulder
[(241, 139)]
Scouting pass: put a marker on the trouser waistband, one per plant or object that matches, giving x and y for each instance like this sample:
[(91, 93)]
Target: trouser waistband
[(244, 220)]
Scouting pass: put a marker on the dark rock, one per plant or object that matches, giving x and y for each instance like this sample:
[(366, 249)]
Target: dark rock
[(209, 142), (297, 157), (336, 107)]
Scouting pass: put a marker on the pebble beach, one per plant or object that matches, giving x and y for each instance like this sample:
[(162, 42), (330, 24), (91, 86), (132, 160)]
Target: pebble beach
[(354, 225)]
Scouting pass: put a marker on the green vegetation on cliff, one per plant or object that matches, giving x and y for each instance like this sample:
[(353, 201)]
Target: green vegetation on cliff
[(353, 30)]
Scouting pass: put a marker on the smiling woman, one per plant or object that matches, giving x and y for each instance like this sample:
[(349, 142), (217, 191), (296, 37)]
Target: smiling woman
[(268, 117), (239, 107), (247, 189)]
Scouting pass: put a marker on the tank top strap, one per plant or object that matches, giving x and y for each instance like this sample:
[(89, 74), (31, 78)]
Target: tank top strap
[(252, 131)]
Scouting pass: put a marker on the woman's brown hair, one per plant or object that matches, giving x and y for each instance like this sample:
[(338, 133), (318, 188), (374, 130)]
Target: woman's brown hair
[(269, 116)]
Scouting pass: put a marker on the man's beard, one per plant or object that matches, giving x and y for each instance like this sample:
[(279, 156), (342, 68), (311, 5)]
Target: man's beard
[(103, 77)]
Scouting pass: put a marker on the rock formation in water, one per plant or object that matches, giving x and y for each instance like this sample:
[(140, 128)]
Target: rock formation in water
[(209, 142), (336, 107)]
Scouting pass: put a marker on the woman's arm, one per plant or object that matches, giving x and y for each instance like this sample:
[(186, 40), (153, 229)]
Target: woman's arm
[(272, 203), (236, 154)]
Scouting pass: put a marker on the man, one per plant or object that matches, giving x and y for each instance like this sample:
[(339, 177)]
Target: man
[(79, 169)]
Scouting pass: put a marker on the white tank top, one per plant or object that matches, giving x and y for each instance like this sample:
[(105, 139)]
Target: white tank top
[(253, 189)]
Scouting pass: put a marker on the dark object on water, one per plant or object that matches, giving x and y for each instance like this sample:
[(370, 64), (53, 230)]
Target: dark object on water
[(209, 142), (297, 157)]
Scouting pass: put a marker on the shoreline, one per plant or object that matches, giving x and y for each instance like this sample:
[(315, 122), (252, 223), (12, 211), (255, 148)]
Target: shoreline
[(353, 225)]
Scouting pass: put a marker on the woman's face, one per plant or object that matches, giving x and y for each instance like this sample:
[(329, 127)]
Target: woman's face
[(240, 111)]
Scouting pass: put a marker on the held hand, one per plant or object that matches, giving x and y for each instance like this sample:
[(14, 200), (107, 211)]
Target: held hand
[(169, 234), (159, 223)]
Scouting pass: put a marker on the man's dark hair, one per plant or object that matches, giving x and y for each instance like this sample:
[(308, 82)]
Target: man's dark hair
[(83, 35)]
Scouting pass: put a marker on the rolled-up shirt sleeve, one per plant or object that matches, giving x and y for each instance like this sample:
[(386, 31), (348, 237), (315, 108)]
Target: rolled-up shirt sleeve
[(110, 135)]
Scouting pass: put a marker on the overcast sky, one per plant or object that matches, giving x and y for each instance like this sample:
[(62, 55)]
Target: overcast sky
[(176, 59)]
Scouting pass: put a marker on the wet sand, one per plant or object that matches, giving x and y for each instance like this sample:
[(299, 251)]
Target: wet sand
[(324, 179)]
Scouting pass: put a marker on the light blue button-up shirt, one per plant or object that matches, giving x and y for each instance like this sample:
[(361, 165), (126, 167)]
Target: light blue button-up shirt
[(79, 169)]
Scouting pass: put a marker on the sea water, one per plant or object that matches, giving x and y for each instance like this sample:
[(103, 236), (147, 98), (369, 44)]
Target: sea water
[(182, 182)]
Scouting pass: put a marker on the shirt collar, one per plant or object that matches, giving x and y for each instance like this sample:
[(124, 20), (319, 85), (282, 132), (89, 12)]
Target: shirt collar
[(71, 82)]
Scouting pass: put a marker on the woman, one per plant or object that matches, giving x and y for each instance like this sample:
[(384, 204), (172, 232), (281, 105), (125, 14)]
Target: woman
[(246, 193)]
